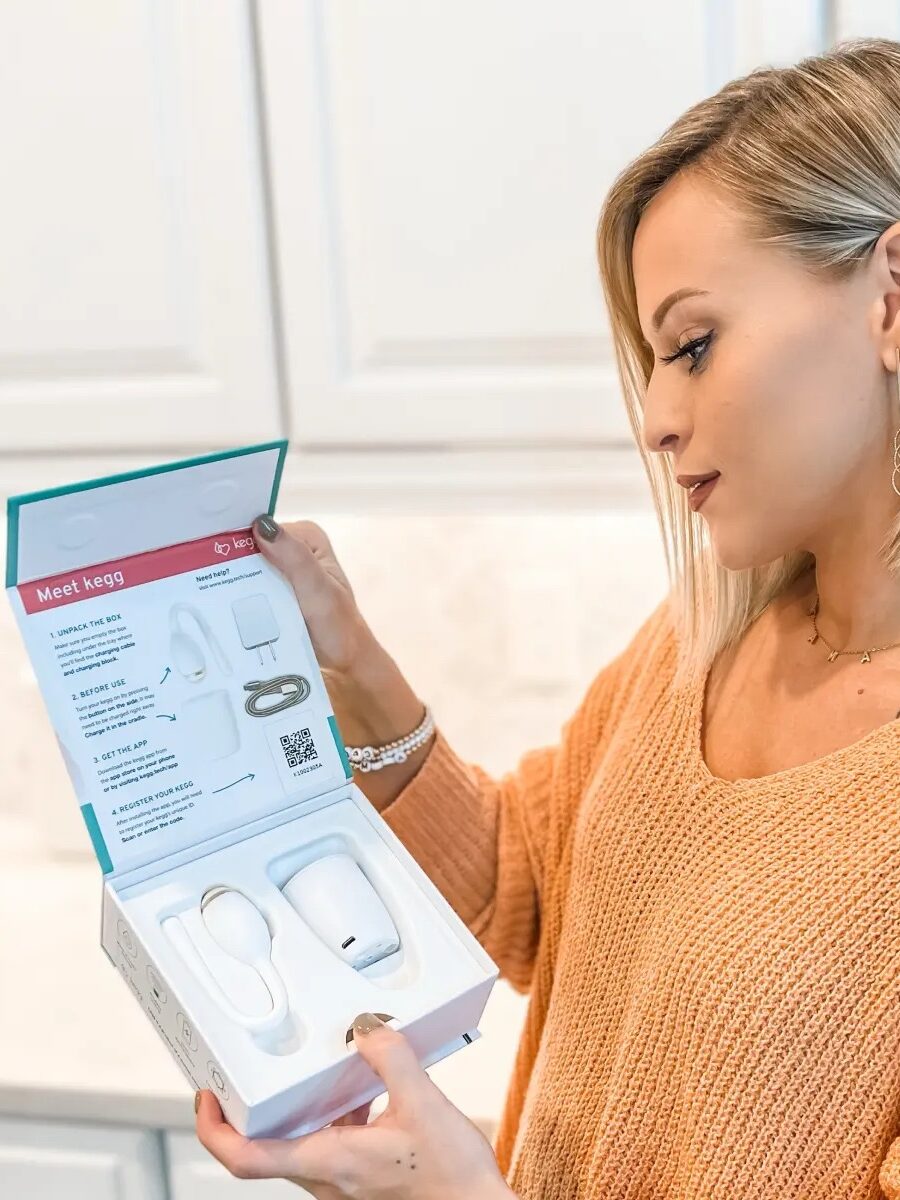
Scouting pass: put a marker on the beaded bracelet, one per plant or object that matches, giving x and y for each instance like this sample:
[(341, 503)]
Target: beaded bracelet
[(373, 758)]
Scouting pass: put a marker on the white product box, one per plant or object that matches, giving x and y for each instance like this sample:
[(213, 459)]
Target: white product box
[(163, 643)]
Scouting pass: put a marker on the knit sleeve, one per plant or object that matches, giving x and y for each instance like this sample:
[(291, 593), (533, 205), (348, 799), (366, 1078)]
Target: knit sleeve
[(482, 840), (889, 1175)]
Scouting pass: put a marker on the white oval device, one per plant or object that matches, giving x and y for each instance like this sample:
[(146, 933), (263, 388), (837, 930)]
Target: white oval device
[(238, 928), (187, 656), (336, 900)]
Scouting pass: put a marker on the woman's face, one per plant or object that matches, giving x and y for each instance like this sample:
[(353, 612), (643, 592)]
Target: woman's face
[(785, 390)]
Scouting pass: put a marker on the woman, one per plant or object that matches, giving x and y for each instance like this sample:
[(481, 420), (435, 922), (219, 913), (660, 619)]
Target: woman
[(699, 885)]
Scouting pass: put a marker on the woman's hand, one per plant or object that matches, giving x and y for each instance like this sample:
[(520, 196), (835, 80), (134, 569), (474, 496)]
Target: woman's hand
[(303, 553), (373, 702), (420, 1148)]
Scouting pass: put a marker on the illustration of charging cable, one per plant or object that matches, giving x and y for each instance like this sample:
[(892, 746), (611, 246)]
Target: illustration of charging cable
[(293, 689), (185, 650)]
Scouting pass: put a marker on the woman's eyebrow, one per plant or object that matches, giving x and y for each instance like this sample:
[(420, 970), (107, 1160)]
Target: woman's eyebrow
[(671, 300)]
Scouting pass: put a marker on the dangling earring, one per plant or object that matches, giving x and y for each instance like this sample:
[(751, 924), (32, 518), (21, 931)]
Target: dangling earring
[(896, 471)]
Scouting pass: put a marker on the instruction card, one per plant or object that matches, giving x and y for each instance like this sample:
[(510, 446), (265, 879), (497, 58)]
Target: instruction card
[(180, 677)]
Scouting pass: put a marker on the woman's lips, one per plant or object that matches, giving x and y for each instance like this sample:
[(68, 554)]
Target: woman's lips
[(701, 491)]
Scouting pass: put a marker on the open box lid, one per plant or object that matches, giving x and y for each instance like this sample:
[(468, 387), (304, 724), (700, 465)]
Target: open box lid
[(67, 528), (173, 658)]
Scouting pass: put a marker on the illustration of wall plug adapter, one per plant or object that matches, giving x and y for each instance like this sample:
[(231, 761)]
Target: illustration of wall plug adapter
[(256, 623), (186, 652), (337, 901), (237, 926)]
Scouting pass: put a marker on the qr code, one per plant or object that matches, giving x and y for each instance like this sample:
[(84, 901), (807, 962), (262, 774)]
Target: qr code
[(298, 747)]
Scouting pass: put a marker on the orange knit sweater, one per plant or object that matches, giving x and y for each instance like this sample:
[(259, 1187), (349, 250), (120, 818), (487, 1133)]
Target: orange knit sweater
[(713, 965)]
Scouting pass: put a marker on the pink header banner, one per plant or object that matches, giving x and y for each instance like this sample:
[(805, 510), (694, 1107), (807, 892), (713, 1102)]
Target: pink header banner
[(118, 574)]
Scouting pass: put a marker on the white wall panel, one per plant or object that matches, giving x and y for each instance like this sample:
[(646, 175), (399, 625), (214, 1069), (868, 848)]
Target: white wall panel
[(46, 1160), (195, 1175), (134, 290), (437, 175), (866, 18)]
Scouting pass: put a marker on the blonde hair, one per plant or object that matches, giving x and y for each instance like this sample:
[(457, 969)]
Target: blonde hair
[(810, 156)]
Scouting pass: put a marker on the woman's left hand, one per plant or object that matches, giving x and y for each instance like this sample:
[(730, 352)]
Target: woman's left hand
[(420, 1148)]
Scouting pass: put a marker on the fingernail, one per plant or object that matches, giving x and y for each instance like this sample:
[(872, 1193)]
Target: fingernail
[(196, 1101), (366, 1022), (268, 527)]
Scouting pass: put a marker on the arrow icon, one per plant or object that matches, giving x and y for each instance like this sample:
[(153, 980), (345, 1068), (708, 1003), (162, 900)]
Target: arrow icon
[(228, 785)]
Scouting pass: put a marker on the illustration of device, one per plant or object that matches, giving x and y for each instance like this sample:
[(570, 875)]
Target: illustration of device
[(186, 651), (238, 928), (337, 901), (256, 624), (209, 725)]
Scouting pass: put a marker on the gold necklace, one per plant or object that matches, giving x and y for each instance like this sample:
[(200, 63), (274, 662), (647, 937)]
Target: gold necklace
[(816, 635)]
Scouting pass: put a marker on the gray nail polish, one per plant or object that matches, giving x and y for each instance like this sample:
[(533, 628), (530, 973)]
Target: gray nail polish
[(366, 1022), (268, 527)]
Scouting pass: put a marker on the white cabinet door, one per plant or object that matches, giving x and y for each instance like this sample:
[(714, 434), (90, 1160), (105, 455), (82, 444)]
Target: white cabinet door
[(195, 1175), (135, 305), (437, 173), (45, 1160), (866, 18)]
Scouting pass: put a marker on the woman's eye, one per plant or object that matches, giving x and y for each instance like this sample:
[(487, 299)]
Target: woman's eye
[(697, 346)]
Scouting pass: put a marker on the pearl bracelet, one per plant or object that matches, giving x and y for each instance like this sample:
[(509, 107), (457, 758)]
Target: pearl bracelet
[(373, 758)]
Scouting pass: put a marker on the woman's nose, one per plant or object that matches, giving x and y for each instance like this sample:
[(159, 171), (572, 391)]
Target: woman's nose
[(666, 423)]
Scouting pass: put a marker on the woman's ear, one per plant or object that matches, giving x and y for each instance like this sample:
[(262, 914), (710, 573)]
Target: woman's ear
[(885, 266)]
